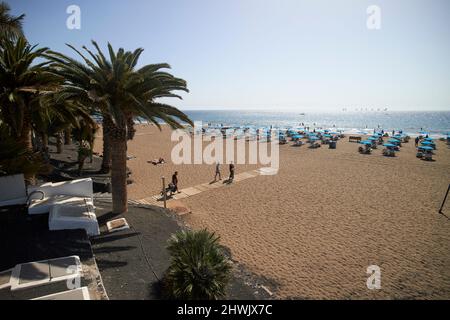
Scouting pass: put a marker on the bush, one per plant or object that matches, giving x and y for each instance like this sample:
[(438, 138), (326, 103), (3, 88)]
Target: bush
[(199, 270)]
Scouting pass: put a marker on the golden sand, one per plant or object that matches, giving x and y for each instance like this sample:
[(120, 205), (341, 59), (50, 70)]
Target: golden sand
[(313, 229)]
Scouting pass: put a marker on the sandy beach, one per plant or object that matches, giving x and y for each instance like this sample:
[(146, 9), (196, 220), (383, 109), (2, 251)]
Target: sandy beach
[(314, 228)]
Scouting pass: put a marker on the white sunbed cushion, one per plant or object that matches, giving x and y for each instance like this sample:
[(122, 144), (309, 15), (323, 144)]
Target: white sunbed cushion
[(38, 206), (74, 215)]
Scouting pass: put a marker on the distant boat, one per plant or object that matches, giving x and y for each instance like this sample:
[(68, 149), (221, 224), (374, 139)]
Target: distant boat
[(302, 114)]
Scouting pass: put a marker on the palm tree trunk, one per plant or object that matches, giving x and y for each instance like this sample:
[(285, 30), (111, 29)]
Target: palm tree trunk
[(68, 136), (59, 142), (107, 127), (25, 135), (44, 138), (26, 141), (119, 169), (131, 131), (45, 150), (119, 177)]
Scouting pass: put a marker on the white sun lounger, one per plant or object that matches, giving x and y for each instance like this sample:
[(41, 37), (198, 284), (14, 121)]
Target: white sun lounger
[(33, 274), (41, 198), (76, 213), (76, 294), (44, 197)]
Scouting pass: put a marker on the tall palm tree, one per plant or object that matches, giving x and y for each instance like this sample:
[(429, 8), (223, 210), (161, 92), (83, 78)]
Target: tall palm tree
[(22, 84), (10, 26), (121, 91), (52, 116)]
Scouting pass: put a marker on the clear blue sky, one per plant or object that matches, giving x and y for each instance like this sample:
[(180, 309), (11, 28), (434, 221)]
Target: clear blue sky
[(278, 54)]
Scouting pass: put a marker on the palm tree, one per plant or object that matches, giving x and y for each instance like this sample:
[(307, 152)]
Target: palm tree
[(85, 136), (122, 92), (199, 270), (15, 159), (22, 84), (10, 26), (53, 116)]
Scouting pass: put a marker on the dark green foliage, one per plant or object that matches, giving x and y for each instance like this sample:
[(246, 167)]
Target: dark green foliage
[(199, 269), (10, 26), (15, 159)]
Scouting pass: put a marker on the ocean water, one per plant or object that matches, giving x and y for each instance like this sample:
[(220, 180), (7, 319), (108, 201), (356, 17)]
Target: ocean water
[(435, 123)]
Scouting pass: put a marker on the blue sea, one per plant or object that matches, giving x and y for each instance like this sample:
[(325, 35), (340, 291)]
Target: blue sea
[(435, 123)]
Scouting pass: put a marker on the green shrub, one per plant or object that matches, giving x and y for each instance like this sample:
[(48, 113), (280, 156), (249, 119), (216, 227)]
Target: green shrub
[(199, 269)]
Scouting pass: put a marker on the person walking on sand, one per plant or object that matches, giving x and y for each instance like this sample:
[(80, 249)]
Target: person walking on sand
[(218, 172), (417, 141), (175, 182), (231, 178)]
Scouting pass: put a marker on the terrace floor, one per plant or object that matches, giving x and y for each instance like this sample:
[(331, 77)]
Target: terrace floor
[(25, 238), (132, 262)]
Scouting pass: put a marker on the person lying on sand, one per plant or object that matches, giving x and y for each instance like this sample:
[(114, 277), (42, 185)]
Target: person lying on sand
[(155, 162)]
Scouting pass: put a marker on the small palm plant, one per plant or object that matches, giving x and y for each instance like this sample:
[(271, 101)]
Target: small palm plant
[(199, 270)]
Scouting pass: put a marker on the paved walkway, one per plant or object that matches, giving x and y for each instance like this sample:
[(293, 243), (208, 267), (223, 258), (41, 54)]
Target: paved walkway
[(192, 191)]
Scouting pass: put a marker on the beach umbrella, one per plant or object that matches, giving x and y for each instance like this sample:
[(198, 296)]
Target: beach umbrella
[(373, 139), (425, 148), (366, 142), (328, 135), (395, 141), (427, 143), (313, 138), (429, 139), (297, 136), (389, 145)]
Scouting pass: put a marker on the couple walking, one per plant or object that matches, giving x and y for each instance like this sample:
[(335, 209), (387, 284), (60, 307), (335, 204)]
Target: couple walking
[(231, 178)]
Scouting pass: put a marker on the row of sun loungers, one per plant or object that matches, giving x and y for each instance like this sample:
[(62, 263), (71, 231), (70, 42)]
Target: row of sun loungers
[(393, 145), (70, 204)]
